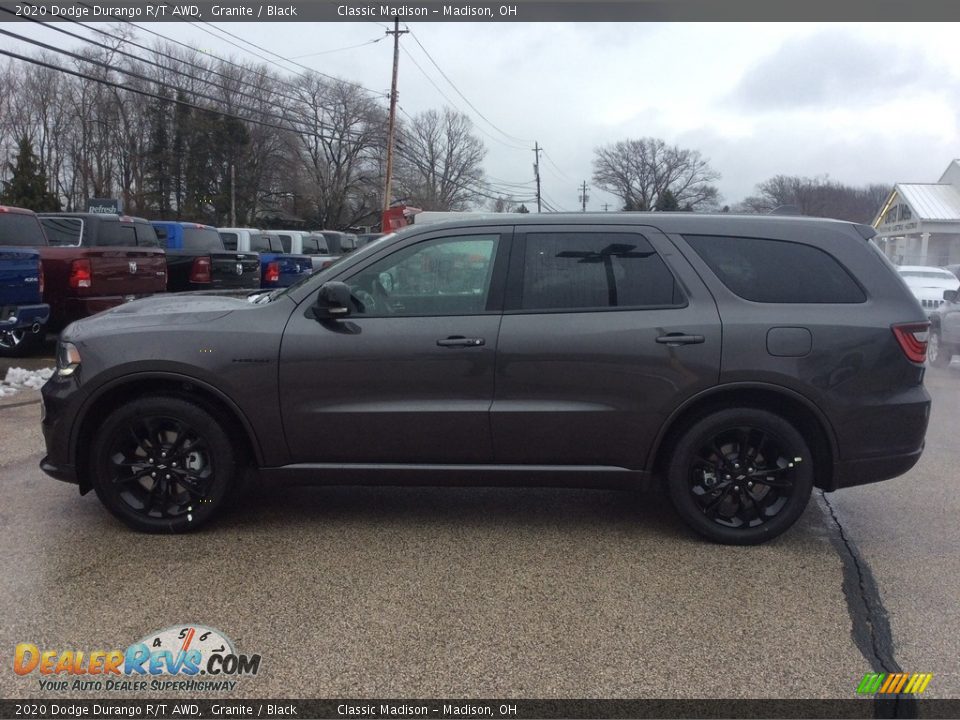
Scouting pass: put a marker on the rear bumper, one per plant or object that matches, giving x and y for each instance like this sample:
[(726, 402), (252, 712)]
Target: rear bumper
[(23, 316), (861, 472)]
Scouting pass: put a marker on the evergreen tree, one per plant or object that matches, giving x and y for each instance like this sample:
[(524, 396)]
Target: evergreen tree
[(27, 187), (667, 202)]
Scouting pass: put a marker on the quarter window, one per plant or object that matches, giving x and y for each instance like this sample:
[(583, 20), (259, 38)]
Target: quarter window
[(449, 276), (593, 270), (776, 271)]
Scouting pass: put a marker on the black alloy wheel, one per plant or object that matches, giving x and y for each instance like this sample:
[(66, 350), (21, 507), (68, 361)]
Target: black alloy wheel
[(741, 476), (19, 343), (162, 464)]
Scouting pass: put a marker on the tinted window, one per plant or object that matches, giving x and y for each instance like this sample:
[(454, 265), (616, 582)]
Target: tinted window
[(111, 233), (63, 231), (286, 242), (20, 229), (229, 240), (315, 245), (449, 276), (203, 238), (581, 270), (774, 271), (146, 235), (161, 234), (334, 242), (259, 243)]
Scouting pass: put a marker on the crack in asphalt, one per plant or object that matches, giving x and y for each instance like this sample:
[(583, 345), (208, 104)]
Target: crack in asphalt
[(870, 628)]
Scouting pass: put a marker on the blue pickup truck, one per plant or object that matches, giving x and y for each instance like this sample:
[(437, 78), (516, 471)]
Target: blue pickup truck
[(278, 268), (23, 314)]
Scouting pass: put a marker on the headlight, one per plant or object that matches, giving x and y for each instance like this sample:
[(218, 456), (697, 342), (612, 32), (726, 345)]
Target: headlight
[(68, 358)]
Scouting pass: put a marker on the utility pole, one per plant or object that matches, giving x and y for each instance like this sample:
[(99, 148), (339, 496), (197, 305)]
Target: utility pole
[(233, 196), (536, 170), (606, 207), (396, 32), (583, 196)]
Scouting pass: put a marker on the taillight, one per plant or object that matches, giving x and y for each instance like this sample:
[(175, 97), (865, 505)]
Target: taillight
[(80, 274), (200, 270), (40, 277), (273, 273), (913, 339)]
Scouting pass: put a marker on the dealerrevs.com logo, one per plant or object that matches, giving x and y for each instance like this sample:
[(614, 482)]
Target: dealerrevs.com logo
[(186, 657)]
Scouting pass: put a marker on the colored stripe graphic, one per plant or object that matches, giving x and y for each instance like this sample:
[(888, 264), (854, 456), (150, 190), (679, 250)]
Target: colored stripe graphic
[(894, 683)]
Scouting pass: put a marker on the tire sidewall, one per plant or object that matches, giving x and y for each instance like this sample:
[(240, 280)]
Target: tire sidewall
[(221, 449), (678, 475)]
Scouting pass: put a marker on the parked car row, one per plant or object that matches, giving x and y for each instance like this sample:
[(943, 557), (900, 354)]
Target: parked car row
[(59, 267)]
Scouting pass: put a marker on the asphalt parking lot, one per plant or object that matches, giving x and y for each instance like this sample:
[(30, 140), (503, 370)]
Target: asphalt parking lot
[(393, 592)]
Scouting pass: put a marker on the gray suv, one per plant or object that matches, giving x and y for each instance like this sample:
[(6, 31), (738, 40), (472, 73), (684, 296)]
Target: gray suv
[(741, 361)]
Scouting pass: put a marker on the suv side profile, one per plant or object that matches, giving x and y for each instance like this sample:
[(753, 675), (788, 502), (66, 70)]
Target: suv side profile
[(742, 360)]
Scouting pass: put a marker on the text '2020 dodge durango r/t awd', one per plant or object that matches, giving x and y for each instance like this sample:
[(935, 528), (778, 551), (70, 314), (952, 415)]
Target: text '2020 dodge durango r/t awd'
[(743, 360)]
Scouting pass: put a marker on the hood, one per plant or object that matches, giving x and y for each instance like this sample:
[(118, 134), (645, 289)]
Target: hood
[(176, 309)]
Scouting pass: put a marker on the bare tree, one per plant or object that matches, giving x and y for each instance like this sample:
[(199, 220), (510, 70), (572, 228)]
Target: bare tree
[(817, 197), (440, 163), (335, 133), (640, 171)]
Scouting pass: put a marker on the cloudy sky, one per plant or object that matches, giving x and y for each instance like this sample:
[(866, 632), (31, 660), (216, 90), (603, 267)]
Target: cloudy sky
[(861, 103)]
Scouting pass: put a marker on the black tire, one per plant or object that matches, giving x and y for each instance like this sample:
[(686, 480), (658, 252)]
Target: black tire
[(938, 354), (20, 343), (734, 476), (162, 464)]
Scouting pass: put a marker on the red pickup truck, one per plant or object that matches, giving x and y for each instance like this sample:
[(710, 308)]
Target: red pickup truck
[(93, 263)]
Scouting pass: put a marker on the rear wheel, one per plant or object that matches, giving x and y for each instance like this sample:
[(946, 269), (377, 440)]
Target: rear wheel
[(162, 464), (938, 353), (19, 343), (741, 476)]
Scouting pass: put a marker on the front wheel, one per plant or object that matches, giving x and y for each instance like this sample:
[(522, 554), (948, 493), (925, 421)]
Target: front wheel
[(741, 476), (20, 343), (162, 464)]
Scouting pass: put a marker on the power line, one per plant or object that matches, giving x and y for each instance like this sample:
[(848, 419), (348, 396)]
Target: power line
[(452, 103), (453, 85), (563, 175), (374, 41)]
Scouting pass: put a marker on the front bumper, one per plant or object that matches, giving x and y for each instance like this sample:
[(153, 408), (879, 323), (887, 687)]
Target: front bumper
[(16, 317), (66, 473)]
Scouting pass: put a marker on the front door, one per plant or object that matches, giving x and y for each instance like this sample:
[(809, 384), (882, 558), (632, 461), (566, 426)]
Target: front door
[(408, 376)]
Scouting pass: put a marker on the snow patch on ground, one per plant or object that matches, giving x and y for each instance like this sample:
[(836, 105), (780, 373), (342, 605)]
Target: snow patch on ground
[(18, 379)]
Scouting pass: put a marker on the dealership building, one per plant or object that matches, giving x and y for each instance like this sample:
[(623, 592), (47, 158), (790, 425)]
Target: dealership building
[(919, 224)]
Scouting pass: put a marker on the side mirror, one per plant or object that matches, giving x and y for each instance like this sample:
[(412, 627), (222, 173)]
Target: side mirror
[(333, 301), (950, 295)]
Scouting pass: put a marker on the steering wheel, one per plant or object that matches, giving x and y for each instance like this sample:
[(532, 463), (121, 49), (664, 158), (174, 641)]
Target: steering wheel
[(367, 303)]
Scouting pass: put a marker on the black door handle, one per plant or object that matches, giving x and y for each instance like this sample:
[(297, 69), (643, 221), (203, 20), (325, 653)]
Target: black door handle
[(677, 339), (460, 341)]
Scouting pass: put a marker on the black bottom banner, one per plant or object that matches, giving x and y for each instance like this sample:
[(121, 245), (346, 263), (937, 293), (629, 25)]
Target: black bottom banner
[(178, 709)]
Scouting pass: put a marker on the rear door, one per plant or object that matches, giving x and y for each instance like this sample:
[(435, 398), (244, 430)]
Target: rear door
[(605, 330)]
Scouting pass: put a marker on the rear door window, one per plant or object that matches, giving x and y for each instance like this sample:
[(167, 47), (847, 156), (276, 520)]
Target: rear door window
[(594, 271), (286, 242), (63, 231), (776, 271), (146, 235), (259, 243)]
